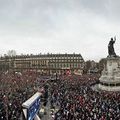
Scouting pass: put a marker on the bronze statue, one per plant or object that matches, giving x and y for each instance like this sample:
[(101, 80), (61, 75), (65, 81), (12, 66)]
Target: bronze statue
[(111, 50)]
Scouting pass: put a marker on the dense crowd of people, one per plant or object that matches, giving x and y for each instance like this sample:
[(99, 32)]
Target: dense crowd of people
[(71, 94), (15, 88), (76, 100)]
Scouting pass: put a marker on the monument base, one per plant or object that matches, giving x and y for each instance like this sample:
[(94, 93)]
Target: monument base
[(108, 88), (110, 78)]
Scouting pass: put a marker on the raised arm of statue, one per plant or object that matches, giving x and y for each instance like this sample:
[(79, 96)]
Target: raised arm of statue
[(115, 38)]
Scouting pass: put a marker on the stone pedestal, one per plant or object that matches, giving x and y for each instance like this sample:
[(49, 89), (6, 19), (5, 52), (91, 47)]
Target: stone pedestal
[(110, 78)]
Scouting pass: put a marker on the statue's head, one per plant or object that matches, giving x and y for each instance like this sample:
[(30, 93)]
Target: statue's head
[(111, 39)]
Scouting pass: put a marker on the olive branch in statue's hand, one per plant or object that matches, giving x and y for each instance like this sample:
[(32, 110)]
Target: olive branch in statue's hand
[(115, 38)]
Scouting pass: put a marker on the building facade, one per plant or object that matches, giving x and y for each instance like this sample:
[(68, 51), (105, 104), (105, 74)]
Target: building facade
[(44, 63)]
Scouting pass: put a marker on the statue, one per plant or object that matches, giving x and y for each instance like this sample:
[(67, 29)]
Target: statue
[(111, 51)]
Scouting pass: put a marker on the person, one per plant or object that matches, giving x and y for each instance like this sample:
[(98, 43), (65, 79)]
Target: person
[(111, 50)]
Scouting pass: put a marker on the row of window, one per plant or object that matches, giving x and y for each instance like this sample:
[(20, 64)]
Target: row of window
[(67, 60), (48, 58), (65, 65), (51, 65), (52, 60)]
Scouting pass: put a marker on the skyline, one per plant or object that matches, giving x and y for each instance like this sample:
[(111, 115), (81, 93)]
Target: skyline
[(58, 26)]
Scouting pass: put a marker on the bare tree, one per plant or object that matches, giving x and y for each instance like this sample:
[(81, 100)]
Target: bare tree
[(11, 53)]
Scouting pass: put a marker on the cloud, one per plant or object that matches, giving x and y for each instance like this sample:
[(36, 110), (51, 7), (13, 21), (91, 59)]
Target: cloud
[(80, 26)]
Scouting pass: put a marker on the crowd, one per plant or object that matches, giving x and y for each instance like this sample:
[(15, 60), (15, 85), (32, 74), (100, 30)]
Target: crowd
[(15, 88), (76, 100), (71, 94)]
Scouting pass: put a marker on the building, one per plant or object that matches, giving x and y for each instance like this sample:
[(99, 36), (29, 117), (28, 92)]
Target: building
[(44, 63)]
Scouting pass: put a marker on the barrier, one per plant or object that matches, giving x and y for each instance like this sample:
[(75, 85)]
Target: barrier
[(31, 107)]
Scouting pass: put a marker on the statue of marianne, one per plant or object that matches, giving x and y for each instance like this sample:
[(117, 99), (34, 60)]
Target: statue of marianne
[(111, 50)]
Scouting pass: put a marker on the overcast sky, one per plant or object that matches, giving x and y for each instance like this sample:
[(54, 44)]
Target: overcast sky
[(59, 26)]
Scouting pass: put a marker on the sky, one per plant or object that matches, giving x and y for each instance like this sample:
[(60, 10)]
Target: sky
[(59, 26)]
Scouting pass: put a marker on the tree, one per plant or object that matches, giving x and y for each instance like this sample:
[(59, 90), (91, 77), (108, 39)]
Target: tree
[(11, 53), (102, 63), (87, 66)]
